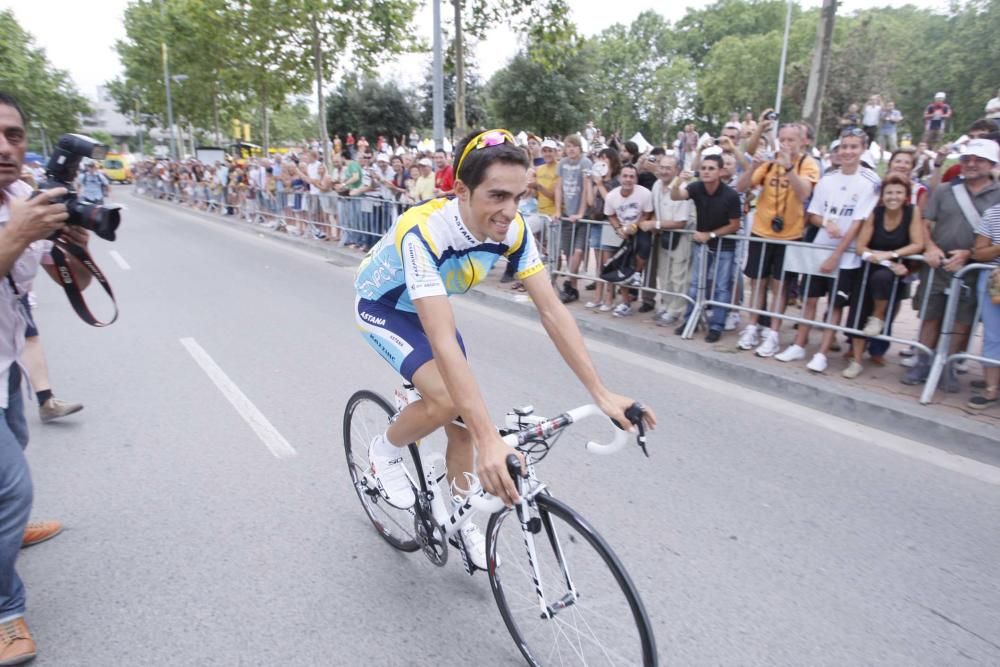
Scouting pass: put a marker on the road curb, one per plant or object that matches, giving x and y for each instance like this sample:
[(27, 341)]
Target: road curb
[(905, 417)]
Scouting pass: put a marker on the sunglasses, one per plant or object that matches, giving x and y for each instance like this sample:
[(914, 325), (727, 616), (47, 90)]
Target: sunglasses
[(854, 132), (484, 140)]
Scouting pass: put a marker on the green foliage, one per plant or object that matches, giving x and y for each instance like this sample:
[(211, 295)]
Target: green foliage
[(527, 95), (475, 99), (46, 94), (369, 109)]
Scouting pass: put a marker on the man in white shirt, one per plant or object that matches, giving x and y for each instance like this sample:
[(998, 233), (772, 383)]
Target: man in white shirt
[(628, 206), (840, 203), (24, 224), (674, 259)]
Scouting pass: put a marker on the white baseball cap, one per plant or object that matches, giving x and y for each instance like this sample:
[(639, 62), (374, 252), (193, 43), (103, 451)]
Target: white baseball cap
[(939, 96), (382, 157), (550, 143), (425, 162), (984, 148)]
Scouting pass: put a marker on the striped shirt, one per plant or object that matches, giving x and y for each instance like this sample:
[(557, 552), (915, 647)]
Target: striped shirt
[(989, 227)]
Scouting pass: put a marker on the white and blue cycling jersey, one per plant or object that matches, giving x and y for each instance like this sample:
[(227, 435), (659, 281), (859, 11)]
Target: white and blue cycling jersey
[(428, 252)]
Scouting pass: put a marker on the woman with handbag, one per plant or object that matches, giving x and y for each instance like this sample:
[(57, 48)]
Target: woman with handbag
[(987, 251)]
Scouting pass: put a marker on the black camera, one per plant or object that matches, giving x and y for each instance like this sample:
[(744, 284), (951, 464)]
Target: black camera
[(777, 224), (771, 116), (60, 172)]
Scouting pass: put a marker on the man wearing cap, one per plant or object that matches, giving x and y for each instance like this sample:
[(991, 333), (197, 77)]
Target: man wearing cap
[(422, 187), (935, 115), (951, 238), (544, 186)]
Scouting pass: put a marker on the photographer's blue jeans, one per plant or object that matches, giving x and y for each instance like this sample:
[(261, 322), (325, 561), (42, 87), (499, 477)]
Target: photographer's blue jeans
[(15, 496), (719, 275)]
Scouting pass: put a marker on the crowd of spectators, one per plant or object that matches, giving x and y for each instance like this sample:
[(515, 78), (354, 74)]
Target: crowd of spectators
[(731, 211)]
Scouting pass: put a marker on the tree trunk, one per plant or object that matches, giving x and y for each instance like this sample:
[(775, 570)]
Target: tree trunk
[(459, 72), (324, 137), (215, 115), (812, 109), (265, 130)]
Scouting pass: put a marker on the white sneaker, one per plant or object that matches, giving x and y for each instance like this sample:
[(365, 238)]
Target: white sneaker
[(590, 304), (474, 543), (732, 321), (792, 353), (390, 476), (909, 362), (750, 338), (818, 363), (604, 308), (622, 310), (665, 319), (770, 344)]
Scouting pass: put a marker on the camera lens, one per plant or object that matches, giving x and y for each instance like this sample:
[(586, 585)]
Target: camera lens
[(777, 224)]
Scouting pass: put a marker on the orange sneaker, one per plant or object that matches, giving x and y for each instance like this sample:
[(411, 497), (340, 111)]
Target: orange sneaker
[(16, 644), (39, 531)]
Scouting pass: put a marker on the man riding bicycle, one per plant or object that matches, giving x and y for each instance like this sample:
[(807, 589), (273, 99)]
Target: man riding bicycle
[(446, 246)]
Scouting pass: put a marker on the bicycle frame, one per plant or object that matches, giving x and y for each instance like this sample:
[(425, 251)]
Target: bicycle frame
[(525, 427)]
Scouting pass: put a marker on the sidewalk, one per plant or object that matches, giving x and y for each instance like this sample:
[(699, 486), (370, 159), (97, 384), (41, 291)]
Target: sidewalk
[(876, 398)]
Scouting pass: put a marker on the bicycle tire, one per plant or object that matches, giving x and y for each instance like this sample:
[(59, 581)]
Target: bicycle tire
[(366, 415), (598, 577)]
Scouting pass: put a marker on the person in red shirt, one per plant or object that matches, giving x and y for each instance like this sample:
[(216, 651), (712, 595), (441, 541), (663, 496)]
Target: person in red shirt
[(936, 115), (444, 177)]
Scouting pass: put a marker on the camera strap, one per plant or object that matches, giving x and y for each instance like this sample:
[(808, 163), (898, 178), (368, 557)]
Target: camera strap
[(59, 251)]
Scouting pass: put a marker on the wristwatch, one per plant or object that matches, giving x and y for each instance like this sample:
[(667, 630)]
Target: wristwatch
[(713, 235), (895, 255)]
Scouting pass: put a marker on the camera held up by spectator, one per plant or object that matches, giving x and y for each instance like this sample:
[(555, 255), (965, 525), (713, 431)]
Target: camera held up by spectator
[(60, 172)]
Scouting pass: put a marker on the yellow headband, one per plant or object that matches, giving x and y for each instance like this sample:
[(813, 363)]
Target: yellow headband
[(476, 142)]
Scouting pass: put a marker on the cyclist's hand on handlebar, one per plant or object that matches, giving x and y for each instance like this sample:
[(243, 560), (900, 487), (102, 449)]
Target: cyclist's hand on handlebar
[(615, 405), (491, 467)]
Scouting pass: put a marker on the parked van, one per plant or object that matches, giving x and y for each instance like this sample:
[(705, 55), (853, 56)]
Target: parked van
[(115, 167)]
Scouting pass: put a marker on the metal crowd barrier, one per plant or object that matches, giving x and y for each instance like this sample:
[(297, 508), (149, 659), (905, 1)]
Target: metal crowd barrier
[(357, 221), (668, 267), (943, 357)]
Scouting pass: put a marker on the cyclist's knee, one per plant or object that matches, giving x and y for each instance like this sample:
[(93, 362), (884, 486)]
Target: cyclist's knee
[(439, 412)]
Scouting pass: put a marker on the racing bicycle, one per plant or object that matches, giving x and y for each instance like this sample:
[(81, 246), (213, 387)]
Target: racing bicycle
[(561, 590)]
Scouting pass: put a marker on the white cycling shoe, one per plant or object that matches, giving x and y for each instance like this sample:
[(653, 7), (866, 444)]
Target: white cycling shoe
[(390, 475)]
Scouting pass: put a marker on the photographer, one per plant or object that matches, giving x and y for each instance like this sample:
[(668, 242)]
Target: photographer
[(93, 184), (24, 225)]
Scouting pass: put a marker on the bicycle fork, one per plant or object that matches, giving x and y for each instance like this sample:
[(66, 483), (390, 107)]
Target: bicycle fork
[(530, 526)]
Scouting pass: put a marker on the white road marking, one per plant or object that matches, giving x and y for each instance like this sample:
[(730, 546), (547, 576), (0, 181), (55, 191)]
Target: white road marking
[(896, 443), (246, 409), (115, 255)]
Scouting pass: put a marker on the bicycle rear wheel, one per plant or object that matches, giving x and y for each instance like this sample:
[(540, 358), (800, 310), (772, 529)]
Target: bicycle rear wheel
[(367, 415), (595, 616)]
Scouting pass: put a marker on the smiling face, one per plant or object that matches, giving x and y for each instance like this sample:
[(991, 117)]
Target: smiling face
[(489, 209), (975, 169), (13, 144), (850, 151), (902, 164), (893, 197)]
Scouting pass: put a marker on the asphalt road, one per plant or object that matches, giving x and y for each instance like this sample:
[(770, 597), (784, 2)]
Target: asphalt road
[(758, 533)]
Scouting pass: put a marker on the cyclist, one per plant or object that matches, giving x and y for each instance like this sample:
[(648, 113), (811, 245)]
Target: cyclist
[(442, 247)]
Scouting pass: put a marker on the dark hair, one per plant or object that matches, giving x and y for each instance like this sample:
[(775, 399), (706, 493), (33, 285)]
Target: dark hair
[(658, 151), (983, 125), (713, 158), (8, 100), (614, 161), (896, 179), (632, 148), (629, 165), (480, 159)]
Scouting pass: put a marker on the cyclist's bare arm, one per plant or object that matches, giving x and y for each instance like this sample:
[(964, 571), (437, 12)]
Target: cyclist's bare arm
[(562, 329), (438, 322)]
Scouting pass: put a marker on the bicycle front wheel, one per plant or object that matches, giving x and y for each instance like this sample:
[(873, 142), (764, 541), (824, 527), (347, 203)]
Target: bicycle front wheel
[(367, 415), (592, 612)]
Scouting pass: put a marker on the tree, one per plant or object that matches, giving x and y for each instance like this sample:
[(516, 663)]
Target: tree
[(475, 98), (370, 109), (527, 95), (644, 79), (50, 101)]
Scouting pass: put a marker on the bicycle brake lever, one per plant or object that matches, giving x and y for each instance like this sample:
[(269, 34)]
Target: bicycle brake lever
[(634, 414)]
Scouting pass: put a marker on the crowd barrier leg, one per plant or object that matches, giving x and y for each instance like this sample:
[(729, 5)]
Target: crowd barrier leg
[(700, 270)]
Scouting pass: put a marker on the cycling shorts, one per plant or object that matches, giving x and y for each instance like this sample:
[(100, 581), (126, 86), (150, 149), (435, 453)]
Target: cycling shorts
[(397, 335)]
